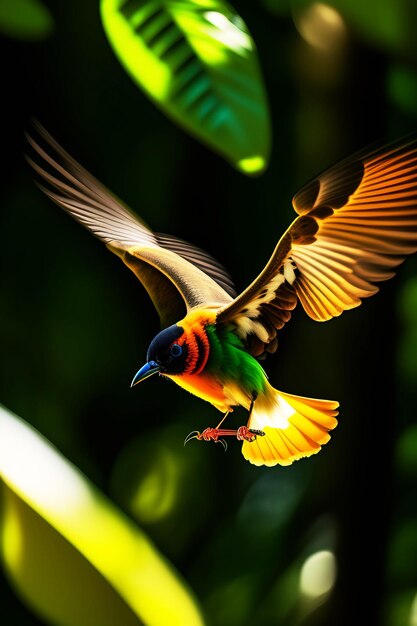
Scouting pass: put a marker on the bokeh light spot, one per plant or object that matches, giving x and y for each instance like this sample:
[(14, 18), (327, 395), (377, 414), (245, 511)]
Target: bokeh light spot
[(321, 26), (318, 574)]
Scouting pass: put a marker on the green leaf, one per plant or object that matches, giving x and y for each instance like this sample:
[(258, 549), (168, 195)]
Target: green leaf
[(197, 61), (55, 580), (62, 542), (25, 19)]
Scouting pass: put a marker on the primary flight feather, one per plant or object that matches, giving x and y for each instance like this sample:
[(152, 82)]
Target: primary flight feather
[(356, 222)]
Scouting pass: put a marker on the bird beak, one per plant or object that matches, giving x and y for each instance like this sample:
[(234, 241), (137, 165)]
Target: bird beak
[(147, 370)]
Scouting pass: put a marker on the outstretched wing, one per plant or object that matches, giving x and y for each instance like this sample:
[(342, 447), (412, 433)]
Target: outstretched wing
[(357, 222), (177, 275)]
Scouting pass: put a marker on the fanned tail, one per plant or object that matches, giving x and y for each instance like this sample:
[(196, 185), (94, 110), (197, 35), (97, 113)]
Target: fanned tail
[(294, 427)]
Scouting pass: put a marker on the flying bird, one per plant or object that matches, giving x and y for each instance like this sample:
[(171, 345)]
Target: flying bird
[(356, 222)]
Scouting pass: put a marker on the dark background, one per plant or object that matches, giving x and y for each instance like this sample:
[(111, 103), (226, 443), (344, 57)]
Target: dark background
[(76, 323)]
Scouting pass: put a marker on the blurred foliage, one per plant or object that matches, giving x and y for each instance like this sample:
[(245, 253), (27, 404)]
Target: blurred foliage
[(197, 60), (25, 19), (383, 23), (76, 325), (402, 87), (48, 501), (51, 576)]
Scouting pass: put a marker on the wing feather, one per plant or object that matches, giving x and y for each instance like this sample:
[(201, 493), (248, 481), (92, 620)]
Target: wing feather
[(357, 222), (177, 275)]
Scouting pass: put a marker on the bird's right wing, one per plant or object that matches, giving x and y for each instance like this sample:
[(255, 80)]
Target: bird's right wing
[(357, 222), (177, 275)]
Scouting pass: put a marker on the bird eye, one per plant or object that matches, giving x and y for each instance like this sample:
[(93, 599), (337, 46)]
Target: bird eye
[(176, 350)]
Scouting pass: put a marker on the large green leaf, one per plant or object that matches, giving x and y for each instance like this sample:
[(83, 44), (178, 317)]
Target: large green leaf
[(197, 60), (63, 543), (56, 581)]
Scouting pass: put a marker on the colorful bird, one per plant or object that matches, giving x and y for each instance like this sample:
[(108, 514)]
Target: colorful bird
[(356, 222)]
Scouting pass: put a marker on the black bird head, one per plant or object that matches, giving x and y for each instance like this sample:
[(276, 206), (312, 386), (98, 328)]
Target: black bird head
[(164, 355)]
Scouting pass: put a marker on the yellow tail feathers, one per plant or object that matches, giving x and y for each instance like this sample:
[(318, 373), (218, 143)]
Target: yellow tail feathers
[(294, 427)]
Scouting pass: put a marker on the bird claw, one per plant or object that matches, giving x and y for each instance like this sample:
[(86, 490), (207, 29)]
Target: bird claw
[(223, 442), (213, 434), (194, 434), (209, 434)]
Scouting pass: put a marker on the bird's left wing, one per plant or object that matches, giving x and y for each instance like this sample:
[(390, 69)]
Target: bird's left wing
[(177, 275), (357, 222)]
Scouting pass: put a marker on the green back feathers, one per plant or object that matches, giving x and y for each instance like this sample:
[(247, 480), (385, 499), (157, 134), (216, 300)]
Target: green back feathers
[(229, 360)]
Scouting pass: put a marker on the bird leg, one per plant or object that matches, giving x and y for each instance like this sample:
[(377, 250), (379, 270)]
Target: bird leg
[(209, 434), (243, 433), (249, 434)]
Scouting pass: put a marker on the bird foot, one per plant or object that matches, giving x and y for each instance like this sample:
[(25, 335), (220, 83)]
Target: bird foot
[(243, 433)]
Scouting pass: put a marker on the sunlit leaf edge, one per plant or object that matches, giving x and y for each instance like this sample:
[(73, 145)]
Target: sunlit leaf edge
[(70, 503)]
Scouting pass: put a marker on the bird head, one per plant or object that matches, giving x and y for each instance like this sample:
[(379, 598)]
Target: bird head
[(164, 355)]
